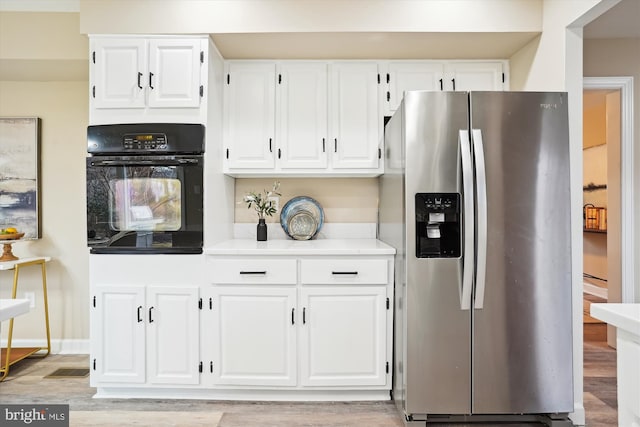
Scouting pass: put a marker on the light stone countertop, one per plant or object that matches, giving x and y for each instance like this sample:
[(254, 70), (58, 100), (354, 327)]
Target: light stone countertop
[(622, 316), (301, 247)]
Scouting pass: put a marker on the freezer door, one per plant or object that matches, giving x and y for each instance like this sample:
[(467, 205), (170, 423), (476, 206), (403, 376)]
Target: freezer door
[(436, 329), (522, 340)]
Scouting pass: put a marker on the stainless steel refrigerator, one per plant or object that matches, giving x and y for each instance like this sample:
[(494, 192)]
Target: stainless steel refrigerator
[(475, 199)]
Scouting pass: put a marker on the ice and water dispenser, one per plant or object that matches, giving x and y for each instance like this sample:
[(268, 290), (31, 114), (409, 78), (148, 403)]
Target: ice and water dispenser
[(438, 225)]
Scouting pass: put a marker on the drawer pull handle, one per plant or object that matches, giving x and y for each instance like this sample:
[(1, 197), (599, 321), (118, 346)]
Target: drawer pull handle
[(293, 316), (150, 315), (352, 273), (253, 272), (139, 314)]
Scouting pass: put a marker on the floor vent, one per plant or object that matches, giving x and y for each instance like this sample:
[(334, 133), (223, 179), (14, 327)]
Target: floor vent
[(69, 373)]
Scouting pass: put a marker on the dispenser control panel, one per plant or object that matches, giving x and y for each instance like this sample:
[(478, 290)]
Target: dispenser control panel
[(438, 225)]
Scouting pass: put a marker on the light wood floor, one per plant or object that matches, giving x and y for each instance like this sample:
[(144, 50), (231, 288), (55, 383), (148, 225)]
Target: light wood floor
[(26, 384)]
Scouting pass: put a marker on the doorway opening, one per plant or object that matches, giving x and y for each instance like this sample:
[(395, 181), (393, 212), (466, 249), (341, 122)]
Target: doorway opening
[(619, 226), (601, 205)]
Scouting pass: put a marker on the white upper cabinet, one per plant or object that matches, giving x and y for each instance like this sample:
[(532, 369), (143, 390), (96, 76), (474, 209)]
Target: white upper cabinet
[(355, 121), (325, 118), (301, 131), (148, 79), (404, 76), (174, 73), (467, 76), (140, 72), (249, 115), (119, 73), (326, 115)]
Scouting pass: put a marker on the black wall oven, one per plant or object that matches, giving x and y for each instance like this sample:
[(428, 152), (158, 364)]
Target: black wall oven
[(145, 188)]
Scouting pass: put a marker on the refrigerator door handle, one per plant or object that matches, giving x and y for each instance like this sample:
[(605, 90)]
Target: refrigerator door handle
[(468, 215), (481, 200)]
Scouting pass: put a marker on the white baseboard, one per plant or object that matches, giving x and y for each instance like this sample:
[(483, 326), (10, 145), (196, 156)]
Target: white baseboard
[(578, 416), (57, 346)]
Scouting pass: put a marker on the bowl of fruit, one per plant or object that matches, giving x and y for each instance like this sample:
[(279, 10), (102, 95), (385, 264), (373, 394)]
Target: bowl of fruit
[(10, 233)]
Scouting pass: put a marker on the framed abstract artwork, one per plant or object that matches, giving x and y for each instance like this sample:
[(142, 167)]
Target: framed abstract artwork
[(20, 175)]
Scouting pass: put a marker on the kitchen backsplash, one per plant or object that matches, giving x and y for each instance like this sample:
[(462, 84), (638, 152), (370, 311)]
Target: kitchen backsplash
[(344, 200)]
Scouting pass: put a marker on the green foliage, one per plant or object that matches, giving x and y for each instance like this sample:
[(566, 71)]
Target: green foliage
[(261, 201)]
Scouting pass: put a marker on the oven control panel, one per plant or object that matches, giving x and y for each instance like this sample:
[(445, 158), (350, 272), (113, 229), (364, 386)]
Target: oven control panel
[(146, 141), (145, 138)]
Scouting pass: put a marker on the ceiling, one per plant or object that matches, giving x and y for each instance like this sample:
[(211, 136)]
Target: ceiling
[(397, 45), (621, 21)]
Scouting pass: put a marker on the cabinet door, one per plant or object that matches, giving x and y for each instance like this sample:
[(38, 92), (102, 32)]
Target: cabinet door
[(173, 334), (174, 73), (356, 122), (254, 329), (117, 335), (343, 336), (404, 76), (249, 98), (465, 76), (119, 70), (302, 115)]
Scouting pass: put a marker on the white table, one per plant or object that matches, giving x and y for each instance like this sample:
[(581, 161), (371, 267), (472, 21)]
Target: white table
[(626, 318), (10, 308), (7, 358)]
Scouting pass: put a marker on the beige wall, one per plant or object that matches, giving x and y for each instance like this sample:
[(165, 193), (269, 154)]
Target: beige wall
[(39, 46), (64, 109), (594, 118), (342, 199), (249, 16)]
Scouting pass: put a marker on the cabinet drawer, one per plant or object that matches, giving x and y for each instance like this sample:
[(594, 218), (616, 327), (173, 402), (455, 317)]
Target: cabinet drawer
[(343, 271), (252, 271)]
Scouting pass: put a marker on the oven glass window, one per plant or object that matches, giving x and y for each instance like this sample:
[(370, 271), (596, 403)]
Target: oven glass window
[(146, 204), (135, 207)]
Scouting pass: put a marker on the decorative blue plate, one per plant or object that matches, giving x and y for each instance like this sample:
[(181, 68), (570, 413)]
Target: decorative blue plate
[(301, 218)]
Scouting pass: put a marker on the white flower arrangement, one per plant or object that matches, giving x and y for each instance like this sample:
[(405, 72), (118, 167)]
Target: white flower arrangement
[(262, 202)]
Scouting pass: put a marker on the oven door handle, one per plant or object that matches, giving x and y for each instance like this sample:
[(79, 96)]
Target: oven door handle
[(140, 162)]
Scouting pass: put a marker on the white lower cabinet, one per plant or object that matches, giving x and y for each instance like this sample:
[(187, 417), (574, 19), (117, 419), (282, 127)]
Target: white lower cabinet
[(325, 326), (343, 336), (280, 327), (254, 328), (118, 335), (145, 334), (172, 335)]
